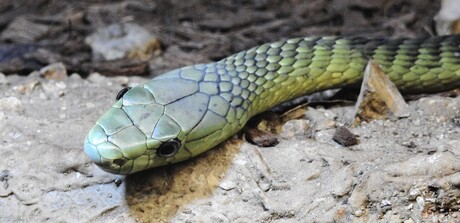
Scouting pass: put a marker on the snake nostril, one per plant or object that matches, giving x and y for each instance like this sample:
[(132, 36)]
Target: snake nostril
[(120, 162)]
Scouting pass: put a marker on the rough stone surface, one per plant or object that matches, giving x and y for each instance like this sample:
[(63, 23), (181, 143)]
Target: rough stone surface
[(118, 41), (45, 176)]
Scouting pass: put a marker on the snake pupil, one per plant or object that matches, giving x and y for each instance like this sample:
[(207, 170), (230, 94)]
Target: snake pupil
[(169, 148), (122, 92)]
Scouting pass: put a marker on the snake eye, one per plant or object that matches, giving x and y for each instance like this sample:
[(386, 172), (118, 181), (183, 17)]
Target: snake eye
[(122, 92), (168, 148)]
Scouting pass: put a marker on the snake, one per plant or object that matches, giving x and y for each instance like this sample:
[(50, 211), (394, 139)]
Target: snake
[(187, 111)]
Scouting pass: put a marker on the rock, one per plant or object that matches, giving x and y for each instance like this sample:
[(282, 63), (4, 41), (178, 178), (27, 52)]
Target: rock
[(27, 88), (3, 80), (344, 137), (55, 89), (227, 185), (379, 98), (323, 119), (96, 78), (11, 104), (358, 198), (447, 20), (24, 30), (55, 71), (342, 182), (456, 120), (123, 40), (297, 127)]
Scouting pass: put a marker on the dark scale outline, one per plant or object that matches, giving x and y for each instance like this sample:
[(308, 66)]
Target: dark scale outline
[(201, 121)]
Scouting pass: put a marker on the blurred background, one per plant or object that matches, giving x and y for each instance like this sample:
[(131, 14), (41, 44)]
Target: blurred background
[(150, 37)]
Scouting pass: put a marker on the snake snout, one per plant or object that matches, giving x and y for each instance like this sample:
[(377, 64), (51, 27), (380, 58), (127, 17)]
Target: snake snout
[(105, 156), (117, 152)]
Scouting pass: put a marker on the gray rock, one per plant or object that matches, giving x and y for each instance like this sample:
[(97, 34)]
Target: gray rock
[(11, 104), (117, 41), (3, 80), (297, 128), (55, 71), (323, 119)]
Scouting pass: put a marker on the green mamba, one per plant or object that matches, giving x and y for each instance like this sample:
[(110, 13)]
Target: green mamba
[(185, 112)]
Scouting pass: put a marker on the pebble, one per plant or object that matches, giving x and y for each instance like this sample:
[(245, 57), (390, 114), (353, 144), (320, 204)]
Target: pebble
[(324, 119), (296, 127), (27, 88), (410, 220), (414, 193), (344, 137), (96, 78), (385, 203), (420, 202), (3, 79), (11, 104), (227, 185), (54, 88), (55, 71), (75, 76), (123, 40), (358, 213)]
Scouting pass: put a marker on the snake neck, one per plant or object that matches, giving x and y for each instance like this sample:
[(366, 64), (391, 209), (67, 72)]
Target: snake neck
[(269, 74)]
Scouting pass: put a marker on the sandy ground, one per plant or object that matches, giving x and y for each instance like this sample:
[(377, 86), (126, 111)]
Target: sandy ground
[(403, 170)]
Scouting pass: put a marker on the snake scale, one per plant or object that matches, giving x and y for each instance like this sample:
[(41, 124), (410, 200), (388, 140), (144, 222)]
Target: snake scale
[(187, 111)]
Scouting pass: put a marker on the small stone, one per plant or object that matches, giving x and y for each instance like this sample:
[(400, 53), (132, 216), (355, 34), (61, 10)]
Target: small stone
[(56, 89), (3, 79), (420, 202), (11, 104), (385, 203), (358, 213), (410, 220), (414, 193), (447, 18), (410, 206), (124, 40), (227, 185), (55, 71), (264, 186), (96, 78), (27, 88), (323, 119), (292, 128), (456, 120), (344, 137), (75, 76), (409, 144), (89, 105), (379, 98)]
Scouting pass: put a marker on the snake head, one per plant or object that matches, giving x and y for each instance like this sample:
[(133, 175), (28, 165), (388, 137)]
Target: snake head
[(135, 134), (171, 118)]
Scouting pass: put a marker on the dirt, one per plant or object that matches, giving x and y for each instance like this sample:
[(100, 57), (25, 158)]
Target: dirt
[(404, 170)]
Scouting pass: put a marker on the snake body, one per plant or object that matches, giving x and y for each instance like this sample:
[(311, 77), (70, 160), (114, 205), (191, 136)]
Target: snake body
[(185, 112)]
